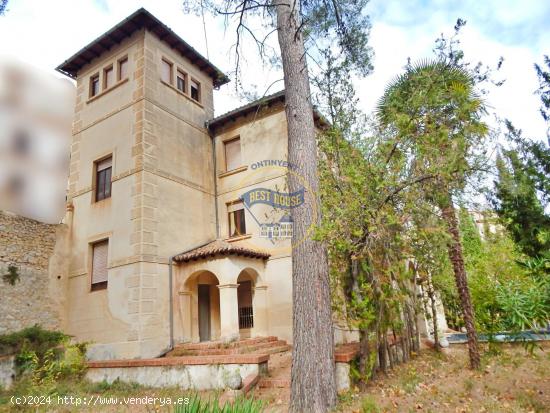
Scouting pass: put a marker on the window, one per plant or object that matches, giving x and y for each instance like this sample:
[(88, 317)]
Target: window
[(103, 179), (286, 230), (232, 154), (181, 81), (166, 71), (99, 265), (195, 90), (123, 68), (94, 85), (237, 226), (264, 231), (108, 77)]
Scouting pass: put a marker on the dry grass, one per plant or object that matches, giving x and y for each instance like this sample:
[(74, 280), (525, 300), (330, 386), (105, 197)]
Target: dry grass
[(511, 380)]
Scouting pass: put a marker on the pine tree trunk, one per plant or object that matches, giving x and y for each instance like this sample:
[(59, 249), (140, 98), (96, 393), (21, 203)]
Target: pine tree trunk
[(457, 260), (365, 367), (313, 386)]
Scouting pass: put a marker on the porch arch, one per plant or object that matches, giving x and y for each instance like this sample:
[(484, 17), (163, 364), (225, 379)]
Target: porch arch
[(199, 308), (252, 303)]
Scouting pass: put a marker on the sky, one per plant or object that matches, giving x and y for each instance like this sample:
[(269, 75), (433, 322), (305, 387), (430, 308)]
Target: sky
[(45, 33)]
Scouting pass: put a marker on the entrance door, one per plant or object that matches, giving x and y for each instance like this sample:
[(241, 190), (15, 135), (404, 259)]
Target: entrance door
[(204, 312)]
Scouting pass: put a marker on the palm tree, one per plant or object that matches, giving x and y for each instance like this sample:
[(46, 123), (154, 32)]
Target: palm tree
[(434, 108)]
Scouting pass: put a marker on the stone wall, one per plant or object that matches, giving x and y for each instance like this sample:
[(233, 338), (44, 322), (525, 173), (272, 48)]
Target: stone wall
[(28, 245)]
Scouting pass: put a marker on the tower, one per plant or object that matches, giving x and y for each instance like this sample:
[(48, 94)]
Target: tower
[(141, 182)]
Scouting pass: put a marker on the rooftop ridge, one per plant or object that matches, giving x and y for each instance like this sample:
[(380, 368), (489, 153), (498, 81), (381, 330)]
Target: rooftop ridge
[(141, 18)]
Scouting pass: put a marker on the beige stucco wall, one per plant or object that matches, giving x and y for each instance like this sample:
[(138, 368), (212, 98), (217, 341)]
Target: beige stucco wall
[(263, 137), (162, 198)]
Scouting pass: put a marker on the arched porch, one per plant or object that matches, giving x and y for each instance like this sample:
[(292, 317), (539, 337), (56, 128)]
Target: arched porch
[(220, 297)]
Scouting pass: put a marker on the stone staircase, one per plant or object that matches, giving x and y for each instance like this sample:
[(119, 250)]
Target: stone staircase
[(253, 346), (278, 374), (266, 349)]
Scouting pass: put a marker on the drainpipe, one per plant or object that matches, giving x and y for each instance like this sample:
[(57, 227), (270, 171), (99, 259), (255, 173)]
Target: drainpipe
[(215, 165)]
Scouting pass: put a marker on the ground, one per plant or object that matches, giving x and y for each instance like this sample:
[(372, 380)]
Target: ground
[(511, 380)]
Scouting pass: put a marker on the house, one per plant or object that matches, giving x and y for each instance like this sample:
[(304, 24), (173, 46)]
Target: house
[(277, 230), (162, 248)]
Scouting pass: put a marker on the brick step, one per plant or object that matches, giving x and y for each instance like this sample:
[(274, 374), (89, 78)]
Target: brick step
[(177, 352), (274, 383), (273, 350), (268, 347), (259, 347), (223, 346)]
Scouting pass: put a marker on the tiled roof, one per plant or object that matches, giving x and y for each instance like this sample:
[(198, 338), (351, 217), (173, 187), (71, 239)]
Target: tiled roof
[(246, 109), (220, 247), (265, 101), (139, 19)]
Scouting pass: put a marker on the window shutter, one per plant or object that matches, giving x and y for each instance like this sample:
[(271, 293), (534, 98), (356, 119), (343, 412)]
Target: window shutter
[(109, 75), (233, 154), (235, 206), (99, 262), (166, 72), (104, 164), (123, 69)]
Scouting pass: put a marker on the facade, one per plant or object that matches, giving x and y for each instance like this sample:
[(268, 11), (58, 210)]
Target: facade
[(162, 249)]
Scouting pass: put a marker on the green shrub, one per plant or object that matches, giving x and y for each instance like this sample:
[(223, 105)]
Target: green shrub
[(240, 405), (368, 405), (35, 338), (115, 386), (42, 359), (12, 276)]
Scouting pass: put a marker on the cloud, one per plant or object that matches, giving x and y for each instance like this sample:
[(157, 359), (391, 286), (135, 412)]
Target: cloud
[(46, 33), (410, 31)]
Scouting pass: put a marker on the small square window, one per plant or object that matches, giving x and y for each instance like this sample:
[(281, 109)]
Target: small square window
[(181, 81), (166, 71), (233, 158), (94, 85), (99, 265), (108, 77), (237, 225), (195, 90), (123, 68), (103, 178)]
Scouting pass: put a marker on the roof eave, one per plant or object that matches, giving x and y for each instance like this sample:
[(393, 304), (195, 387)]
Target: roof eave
[(265, 101), (149, 22)]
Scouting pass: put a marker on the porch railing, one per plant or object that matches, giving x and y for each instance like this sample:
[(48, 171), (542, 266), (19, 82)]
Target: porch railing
[(246, 317)]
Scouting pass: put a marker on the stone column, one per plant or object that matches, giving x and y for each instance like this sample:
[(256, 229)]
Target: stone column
[(229, 312), (260, 310)]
